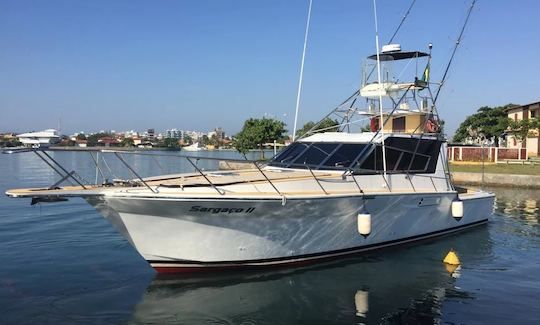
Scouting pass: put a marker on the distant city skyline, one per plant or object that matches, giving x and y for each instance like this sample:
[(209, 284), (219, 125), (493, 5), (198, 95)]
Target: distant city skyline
[(194, 65)]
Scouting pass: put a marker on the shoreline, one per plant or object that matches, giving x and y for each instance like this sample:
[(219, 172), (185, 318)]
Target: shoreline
[(500, 180), (59, 148)]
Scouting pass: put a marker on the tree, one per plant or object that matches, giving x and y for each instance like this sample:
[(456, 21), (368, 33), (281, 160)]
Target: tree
[(93, 139), (486, 123), (171, 143), (205, 140), (214, 141), (256, 132), (187, 139), (127, 142), (325, 125), (523, 128), (81, 136)]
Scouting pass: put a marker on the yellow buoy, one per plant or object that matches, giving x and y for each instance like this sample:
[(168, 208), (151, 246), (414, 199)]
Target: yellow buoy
[(451, 268), (451, 258)]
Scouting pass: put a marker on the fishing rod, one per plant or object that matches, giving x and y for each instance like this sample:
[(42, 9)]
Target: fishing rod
[(458, 42), (301, 71), (401, 22)]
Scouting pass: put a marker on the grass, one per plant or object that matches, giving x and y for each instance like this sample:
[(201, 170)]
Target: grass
[(497, 169)]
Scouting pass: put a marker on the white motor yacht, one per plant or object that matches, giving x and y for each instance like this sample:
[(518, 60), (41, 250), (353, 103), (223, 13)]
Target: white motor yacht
[(327, 195)]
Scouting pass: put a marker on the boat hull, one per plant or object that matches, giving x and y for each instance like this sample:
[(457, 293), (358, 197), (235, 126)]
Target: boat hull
[(189, 235)]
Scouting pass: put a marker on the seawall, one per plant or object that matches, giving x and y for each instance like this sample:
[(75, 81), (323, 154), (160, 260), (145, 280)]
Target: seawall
[(506, 180)]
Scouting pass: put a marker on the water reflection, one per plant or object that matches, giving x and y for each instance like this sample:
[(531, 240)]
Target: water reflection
[(519, 203), (405, 285)]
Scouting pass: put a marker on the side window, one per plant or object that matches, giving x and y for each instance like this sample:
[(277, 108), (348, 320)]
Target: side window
[(372, 162), (403, 154), (315, 154), (344, 156), (429, 151), (405, 161), (419, 163), (392, 158)]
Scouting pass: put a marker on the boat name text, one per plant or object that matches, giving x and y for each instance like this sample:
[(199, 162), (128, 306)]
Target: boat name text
[(197, 208)]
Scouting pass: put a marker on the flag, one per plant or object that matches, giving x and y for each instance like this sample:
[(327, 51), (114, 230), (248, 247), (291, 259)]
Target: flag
[(425, 75)]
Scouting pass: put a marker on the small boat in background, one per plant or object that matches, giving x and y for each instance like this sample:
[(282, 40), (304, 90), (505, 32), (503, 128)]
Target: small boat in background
[(9, 150), (194, 147)]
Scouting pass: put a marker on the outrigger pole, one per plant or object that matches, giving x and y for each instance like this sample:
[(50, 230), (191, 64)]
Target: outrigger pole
[(401, 22), (301, 71), (381, 121), (454, 51)]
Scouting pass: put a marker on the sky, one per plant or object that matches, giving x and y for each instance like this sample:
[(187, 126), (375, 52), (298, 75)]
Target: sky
[(199, 64)]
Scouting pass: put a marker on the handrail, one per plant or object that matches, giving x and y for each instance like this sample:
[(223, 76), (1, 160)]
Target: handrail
[(96, 162), (178, 156), (134, 172), (312, 174), (68, 174), (48, 163), (203, 175), (189, 159), (355, 181), (61, 180), (268, 179), (207, 175)]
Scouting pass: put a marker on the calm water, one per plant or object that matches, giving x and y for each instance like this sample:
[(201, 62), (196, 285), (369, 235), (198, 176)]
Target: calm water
[(62, 263)]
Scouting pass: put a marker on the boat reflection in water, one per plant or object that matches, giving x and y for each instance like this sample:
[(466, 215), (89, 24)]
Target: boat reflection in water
[(404, 285)]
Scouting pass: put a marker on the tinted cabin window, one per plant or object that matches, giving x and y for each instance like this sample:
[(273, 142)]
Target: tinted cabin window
[(399, 156), (344, 156), (322, 155), (410, 155), (315, 154)]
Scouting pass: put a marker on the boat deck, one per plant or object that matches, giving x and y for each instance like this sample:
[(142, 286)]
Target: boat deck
[(219, 178), (238, 183)]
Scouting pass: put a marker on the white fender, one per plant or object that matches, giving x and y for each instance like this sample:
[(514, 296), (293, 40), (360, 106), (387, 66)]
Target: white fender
[(364, 224), (457, 210)]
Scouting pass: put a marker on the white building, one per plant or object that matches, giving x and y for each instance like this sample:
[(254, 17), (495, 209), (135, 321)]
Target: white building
[(173, 133), (39, 139)]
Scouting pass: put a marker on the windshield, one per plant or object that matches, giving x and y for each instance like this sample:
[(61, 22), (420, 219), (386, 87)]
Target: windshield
[(403, 155), (321, 155)]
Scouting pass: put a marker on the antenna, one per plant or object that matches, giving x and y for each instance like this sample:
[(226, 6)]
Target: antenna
[(301, 71), (381, 120)]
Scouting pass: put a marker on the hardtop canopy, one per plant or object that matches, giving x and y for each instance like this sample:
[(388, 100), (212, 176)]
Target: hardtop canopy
[(393, 56)]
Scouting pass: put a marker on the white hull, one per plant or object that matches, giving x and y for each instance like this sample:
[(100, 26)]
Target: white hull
[(188, 234), (193, 147)]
